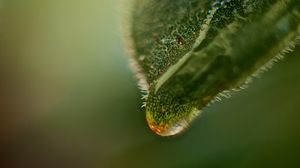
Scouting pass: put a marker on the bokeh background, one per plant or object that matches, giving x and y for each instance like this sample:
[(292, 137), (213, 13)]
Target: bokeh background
[(69, 99)]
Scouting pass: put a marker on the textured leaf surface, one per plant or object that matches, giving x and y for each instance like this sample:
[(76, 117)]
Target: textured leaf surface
[(189, 52)]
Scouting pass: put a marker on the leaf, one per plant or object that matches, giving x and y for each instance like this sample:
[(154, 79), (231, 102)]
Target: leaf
[(189, 53)]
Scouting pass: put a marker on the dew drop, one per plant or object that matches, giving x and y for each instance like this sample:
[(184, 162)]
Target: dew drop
[(168, 130)]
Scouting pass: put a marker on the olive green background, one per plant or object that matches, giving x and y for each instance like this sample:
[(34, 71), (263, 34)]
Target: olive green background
[(69, 99)]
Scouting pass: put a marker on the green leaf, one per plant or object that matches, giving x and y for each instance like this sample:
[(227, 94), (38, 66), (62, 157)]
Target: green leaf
[(189, 53)]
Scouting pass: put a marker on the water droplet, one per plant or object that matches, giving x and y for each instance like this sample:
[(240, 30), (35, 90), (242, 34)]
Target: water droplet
[(168, 130)]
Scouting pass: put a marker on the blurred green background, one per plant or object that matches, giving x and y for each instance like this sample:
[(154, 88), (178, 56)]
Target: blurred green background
[(69, 99)]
